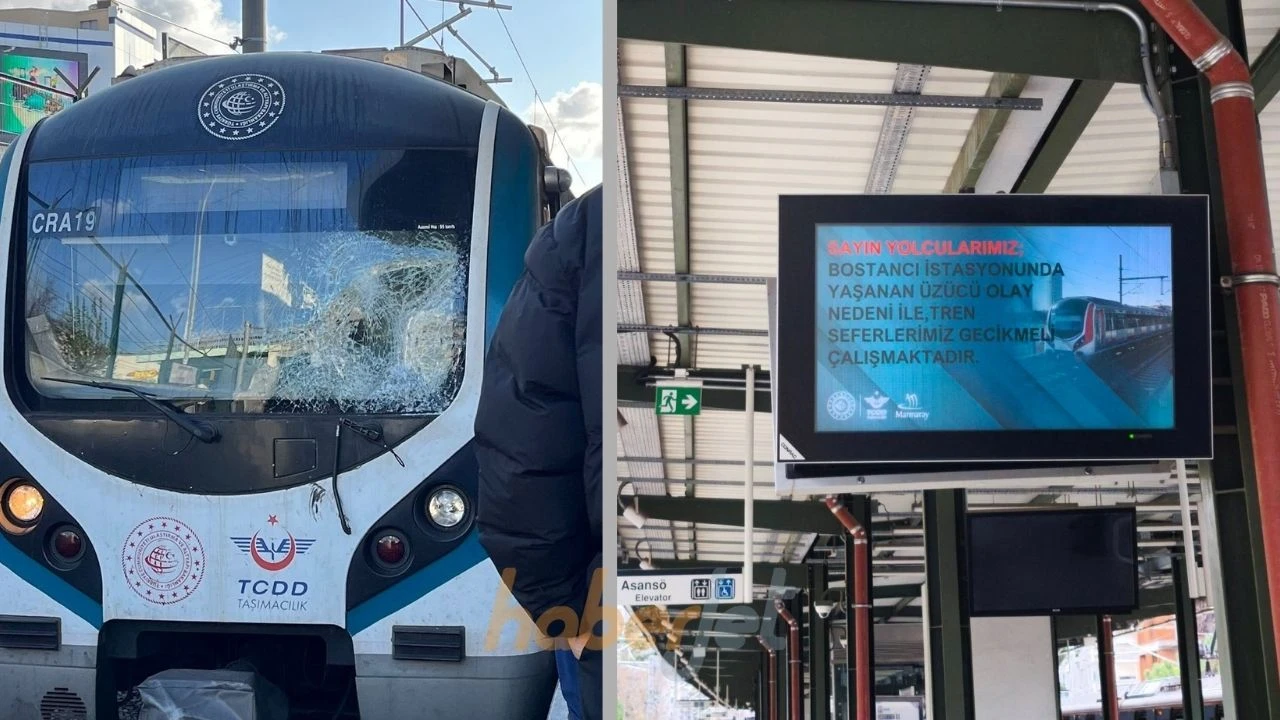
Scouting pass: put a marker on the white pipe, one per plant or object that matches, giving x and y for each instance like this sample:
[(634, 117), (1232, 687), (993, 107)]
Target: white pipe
[(928, 650), (749, 491), (1188, 539), (1216, 585)]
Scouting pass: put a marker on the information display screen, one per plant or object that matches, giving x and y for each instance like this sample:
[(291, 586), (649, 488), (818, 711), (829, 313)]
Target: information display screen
[(1052, 562), (988, 316)]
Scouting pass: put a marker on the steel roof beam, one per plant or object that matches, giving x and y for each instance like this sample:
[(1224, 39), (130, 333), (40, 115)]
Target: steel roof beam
[(634, 387), (1094, 46), (1266, 74), (1073, 116), (983, 134), (678, 147), (901, 97), (771, 514), (894, 128)]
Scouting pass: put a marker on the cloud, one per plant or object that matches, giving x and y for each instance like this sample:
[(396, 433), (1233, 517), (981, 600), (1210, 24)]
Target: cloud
[(576, 115), (203, 16)]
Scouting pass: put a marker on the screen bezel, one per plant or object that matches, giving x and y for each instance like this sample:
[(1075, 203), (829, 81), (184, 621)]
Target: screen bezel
[(799, 217), (1129, 512)]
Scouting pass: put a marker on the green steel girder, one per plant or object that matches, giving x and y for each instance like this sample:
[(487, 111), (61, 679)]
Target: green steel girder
[(632, 388), (769, 514), (1078, 108), (1094, 46), (948, 622), (984, 133), (1266, 73), (818, 647), (678, 149)]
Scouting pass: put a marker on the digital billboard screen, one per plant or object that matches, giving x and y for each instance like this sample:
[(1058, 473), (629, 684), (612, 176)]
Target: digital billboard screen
[(992, 327), (1051, 562), (22, 106)]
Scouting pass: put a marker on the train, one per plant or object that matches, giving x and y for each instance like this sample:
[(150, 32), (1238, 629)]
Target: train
[(1089, 325), (246, 306), (1155, 700)]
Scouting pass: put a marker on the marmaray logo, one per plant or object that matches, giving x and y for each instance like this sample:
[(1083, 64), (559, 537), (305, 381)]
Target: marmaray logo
[(910, 409), (876, 409)]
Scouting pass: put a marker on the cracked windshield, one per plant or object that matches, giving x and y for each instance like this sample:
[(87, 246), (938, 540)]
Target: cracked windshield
[(277, 282)]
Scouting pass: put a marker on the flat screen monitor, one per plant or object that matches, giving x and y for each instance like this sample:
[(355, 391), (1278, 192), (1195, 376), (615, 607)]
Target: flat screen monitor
[(1069, 562), (993, 328)]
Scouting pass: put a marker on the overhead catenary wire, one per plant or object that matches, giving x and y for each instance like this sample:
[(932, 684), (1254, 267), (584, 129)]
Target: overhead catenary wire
[(197, 33), (537, 96)]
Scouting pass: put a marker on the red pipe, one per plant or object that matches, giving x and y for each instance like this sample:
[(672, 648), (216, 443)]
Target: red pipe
[(771, 699), (1110, 697), (793, 657), (861, 606), (1244, 193)]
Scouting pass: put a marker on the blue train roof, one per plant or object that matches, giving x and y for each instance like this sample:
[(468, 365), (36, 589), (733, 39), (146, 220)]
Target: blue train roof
[(263, 101)]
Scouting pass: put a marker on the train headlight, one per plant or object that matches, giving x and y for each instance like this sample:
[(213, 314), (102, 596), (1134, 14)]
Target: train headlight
[(446, 507), (23, 504)]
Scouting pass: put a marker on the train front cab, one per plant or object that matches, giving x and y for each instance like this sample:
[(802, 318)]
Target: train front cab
[(310, 299)]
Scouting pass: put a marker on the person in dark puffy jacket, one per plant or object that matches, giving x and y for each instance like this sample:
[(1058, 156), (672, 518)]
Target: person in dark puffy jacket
[(538, 435)]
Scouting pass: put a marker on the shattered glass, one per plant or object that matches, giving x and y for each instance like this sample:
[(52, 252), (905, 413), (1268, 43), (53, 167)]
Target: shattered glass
[(284, 282), (387, 337)]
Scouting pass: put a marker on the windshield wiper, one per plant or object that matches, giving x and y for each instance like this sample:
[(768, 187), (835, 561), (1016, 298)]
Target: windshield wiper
[(199, 429), (369, 432)]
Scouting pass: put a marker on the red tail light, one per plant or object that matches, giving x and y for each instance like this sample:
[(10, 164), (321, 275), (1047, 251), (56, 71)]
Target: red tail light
[(391, 549), (68, 544)]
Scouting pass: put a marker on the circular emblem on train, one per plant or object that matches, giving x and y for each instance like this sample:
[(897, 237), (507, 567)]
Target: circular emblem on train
[(841, 405), (163, 560), (241, 106)]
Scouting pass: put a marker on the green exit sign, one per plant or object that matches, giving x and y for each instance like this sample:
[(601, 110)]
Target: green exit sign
[(678, 400)]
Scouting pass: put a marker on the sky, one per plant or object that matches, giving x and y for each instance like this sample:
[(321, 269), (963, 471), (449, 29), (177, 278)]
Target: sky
[(560, 41)]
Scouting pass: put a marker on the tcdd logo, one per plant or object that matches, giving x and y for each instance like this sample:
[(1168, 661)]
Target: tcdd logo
[(273, 552)]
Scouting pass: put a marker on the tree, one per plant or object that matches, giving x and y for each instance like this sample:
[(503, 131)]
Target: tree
[(1163, 669)]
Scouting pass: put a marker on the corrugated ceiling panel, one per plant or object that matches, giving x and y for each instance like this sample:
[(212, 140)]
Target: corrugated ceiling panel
[(650, 163), (671, 428), (1118, 152), (1261, 20), (743, 155), (719, 435)]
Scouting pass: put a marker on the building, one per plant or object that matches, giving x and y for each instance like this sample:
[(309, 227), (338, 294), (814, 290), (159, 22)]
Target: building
[(52, 47)]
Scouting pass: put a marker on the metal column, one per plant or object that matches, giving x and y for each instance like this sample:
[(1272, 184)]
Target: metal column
[(849, 692), (748, 490), (1107, 669), (819, 647), (950, 657), (253, 21), (1253, 684), (1188, 642)]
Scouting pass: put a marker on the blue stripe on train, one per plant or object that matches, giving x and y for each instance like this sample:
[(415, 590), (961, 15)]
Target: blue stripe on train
[(44, 580), (513, 216)]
